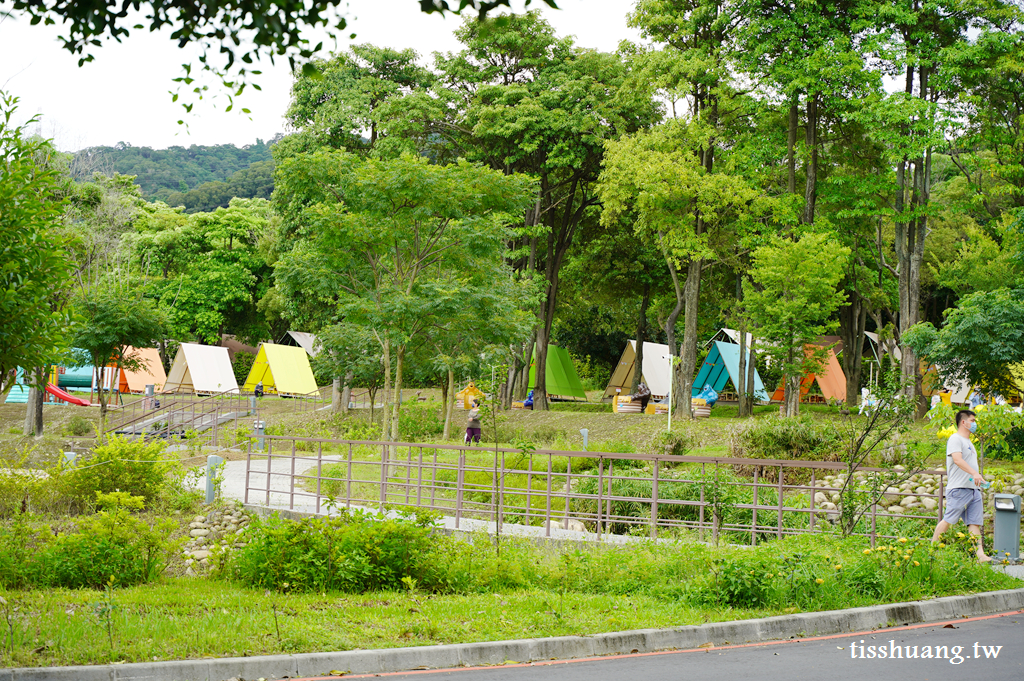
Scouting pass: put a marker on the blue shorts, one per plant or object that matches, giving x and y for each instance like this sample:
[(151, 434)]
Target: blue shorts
[(966, 503)]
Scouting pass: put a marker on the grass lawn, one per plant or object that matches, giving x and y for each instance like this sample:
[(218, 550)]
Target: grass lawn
[(545, 593)]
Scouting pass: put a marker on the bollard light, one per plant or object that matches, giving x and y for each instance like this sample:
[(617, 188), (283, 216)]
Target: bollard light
[(259, 427), (212, 463), (585, 433), (1006, 525)]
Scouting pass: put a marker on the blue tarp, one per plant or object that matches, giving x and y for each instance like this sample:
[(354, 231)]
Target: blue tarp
[(723, 365)]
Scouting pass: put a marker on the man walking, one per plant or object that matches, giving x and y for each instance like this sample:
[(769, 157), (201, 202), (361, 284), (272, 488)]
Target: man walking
[(963, 480)]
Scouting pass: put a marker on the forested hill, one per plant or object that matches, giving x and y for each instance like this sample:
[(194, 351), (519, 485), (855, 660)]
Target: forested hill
[(163, 173)]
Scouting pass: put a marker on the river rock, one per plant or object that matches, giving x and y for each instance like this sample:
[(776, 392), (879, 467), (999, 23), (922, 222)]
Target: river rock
[(199, 532)]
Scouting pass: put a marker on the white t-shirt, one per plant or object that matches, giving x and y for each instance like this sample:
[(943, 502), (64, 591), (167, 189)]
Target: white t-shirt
[(957, 477)]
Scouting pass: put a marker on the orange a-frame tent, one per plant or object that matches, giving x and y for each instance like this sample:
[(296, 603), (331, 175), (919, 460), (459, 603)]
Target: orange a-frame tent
[(831, 380), (151, 373)]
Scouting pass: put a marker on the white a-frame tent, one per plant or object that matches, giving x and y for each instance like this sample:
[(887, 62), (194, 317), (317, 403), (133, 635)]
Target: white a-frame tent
[(201, 369), (656, 371)]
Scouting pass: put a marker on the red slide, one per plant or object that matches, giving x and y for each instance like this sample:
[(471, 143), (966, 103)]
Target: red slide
[(65, 396)]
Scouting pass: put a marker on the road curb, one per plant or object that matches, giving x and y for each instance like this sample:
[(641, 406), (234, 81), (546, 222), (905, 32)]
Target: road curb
[(530, 650)]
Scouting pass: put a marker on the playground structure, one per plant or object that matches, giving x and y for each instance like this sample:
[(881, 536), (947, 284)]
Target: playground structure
[(283, 370), (464, 398)]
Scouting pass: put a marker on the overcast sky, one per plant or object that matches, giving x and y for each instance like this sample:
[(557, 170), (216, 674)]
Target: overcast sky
[(122, 96)]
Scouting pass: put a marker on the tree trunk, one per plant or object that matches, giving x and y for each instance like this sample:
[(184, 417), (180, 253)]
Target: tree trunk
[(397, 395), (741, 389), (336, 398), (751, 372), (449, 404), (794, 122), (641, 336), (385, 430), (688, 353), (540, 358), (852, 320), (670, 326), (34, 404), (811, 186), (346, 391)]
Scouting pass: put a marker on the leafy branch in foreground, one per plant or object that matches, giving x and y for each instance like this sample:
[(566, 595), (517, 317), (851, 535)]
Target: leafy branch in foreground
[(871, 437)]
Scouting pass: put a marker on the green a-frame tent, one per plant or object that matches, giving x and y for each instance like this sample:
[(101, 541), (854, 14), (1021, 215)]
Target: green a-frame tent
[(560, 378), (723, 365)]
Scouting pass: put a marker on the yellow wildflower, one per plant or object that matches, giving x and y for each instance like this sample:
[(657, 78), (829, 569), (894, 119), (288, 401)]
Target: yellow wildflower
[(839, 567), (867, 552), (916, 563), (819, 580), (903, 540)]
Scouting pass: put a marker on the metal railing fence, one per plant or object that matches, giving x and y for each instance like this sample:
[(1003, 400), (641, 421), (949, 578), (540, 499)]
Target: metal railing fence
[(608, 492)]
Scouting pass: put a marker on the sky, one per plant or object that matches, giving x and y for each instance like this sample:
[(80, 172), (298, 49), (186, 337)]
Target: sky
[(123, 95)]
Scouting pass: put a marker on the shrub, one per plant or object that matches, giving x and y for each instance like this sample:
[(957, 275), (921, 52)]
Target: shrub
[(79, 426), (135, 467), (356, 552), (418, 423), (242, 365), (788, 438), (112, 543)]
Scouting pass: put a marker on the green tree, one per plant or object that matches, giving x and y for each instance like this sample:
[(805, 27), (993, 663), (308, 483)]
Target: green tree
[(680, 208), (113, 321), (521, 99), (980, 343), (35, 263), (791, 298), (391, 245)]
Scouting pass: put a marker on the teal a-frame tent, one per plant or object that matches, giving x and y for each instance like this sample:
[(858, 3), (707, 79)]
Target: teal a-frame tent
[(560, 378), (722, 366)]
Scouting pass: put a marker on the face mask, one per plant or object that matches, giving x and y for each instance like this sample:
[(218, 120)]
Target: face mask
[(972, 426)]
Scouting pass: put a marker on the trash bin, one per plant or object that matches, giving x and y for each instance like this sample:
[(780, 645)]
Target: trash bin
[(1006, 523)]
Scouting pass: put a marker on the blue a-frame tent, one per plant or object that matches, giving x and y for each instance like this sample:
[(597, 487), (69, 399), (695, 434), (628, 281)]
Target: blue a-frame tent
[(723, 365)]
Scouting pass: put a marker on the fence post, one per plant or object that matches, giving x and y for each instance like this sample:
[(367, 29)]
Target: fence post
[(291, 489), (568, 488), (459, 481), (384, 477), (654, 500), (248, 466), (753, 511), (600, 489), (781, 474), (319, 471), (813, 492), (547, 511), (348, 481)]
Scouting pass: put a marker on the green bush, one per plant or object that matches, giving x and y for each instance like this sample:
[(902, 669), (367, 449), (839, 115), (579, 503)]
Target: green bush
[(242, 365), (356, 552), (422, 422), (79, 426), (133, 466), (788, 438), (112, 543)]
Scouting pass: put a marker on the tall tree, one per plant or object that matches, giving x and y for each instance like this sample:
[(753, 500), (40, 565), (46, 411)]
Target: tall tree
[(393, 245), (35, 263), (793, 301), (522, 100)]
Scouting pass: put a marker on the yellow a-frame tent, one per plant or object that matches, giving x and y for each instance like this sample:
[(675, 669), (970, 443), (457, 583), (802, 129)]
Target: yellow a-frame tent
[(283, 370)]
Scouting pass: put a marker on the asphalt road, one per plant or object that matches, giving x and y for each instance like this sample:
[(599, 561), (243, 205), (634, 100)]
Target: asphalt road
[(821, 658)]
